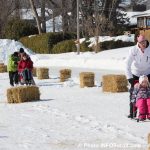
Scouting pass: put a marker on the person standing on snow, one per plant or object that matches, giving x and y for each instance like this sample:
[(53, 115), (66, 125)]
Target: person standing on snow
[(137, 64), (12, 68)]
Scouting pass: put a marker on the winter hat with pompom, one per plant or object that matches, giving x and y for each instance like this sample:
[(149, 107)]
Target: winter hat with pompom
[(142, 78)]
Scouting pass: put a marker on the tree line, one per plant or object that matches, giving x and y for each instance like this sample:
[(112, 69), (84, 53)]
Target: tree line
[(96, 16)]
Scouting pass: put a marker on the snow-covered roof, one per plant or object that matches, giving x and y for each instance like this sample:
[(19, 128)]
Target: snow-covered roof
[(141, 14), (134, 15)]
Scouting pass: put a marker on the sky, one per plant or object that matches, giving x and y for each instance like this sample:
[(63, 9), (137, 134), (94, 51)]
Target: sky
[(68, 117)]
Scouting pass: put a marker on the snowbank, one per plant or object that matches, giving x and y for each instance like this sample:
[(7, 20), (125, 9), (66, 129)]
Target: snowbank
[(7, 47)]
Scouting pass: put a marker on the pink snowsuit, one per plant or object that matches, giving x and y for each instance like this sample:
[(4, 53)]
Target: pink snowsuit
[(141, 96)]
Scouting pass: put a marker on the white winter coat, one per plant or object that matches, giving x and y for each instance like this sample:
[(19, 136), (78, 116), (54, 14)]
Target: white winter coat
[(137, 62)]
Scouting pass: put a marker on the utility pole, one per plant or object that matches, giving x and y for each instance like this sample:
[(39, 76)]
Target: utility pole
[(78, 30)]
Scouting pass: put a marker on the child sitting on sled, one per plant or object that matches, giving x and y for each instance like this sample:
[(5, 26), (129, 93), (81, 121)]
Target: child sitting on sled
[(25, 67), (141, 98)]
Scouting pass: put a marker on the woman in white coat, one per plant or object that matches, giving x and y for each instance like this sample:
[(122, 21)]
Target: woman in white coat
[(137, 64)]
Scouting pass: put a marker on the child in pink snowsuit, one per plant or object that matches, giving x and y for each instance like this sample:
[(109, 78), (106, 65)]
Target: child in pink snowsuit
[(141, 97)]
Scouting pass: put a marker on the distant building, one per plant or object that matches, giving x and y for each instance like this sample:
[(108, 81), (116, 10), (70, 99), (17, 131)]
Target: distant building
[(148, 5), (143, 23)]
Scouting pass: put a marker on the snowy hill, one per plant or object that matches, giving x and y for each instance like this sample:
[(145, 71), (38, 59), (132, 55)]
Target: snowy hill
[(7, 47)]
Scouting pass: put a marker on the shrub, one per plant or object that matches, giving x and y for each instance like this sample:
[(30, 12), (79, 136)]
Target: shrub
[(84, 47), (38, 43), (115, 44), (45, 42), (64, 47), (16, 28), (55, 38), (69, 46)]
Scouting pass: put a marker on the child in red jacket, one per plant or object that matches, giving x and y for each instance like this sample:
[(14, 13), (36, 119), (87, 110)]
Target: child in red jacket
[(25, 67)]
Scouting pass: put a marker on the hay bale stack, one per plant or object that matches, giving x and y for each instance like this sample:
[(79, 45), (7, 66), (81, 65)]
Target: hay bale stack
[(3, 68), (42, 73), (23, 94), (34, 72), (65, 74), (87, 79), (114, 83)]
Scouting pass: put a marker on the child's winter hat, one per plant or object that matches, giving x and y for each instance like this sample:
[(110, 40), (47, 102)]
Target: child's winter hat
[(21, 50), (15, 53), (142, 78), (141, 38)]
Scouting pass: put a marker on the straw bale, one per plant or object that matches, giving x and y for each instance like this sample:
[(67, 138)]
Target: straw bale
[(23, 94), (34, 72), (42, 73), (114, 83), (3, 68), (87, 79), (65, 74), (1, 64)]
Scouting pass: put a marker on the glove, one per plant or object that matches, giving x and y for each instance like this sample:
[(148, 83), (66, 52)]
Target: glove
[(131, 81)]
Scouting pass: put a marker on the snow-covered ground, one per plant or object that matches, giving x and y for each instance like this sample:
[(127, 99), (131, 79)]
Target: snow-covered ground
[(69, 117)]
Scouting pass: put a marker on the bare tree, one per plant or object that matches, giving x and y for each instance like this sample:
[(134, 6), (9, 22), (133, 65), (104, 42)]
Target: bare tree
[(43, 18), (7, 7), (17, 9), (62, 7), (64, 15), (36, 15), (55, 11), (98, 18), (72, 19), (95, 26), (58, 7)]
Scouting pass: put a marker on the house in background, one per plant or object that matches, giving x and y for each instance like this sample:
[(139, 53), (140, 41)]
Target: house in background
[(148, 5), (143, 23), (143, 20)]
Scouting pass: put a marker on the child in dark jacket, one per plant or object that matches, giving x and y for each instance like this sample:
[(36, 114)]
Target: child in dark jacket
[(141, 97), (25, 67)]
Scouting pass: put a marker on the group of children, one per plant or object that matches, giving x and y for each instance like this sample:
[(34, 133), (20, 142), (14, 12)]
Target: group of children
[(20, 68), (140, 98)]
